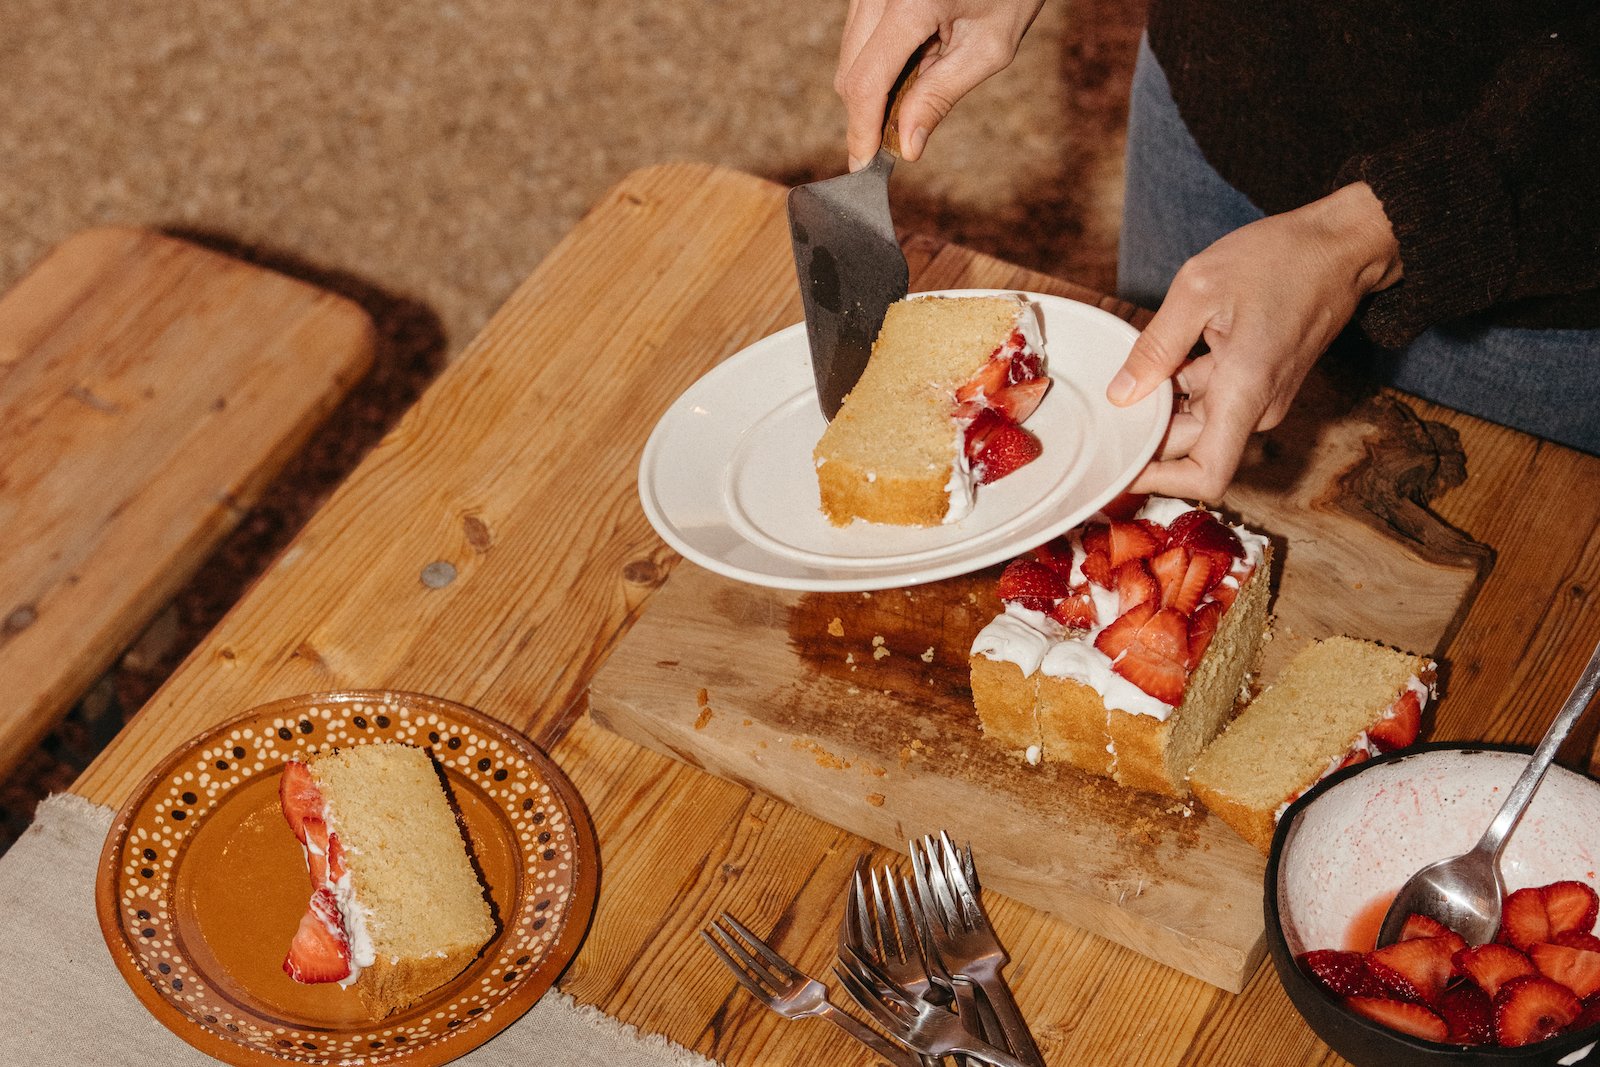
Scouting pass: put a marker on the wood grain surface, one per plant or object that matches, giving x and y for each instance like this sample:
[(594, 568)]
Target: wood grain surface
[(149, 390), (529, 496)]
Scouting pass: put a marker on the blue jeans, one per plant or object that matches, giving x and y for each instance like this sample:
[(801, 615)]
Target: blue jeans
[(1546, 382)]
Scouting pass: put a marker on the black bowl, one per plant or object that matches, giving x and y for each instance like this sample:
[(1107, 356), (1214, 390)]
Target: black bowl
[(1342, 850)]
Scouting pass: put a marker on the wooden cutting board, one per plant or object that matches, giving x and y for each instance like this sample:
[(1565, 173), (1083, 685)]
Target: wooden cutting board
[(856, 707)]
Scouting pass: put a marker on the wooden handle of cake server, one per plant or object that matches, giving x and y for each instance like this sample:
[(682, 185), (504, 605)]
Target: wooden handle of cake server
[(907, 78)]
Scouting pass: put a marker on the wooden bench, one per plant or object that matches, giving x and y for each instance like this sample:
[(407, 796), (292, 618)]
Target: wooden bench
[(149, 390)]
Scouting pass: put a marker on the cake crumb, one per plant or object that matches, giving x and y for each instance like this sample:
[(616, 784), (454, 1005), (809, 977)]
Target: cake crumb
[(836, 627), (849, 657), (703, 698), (704, 717), (875, 799), (905, 755), (880, 652), (927, 657), (877, 640), (916, 743)]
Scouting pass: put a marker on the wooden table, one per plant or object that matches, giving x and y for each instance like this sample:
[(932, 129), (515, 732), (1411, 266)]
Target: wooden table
[(518, 469)]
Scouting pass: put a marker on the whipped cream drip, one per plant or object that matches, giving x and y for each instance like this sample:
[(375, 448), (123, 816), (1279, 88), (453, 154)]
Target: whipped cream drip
[(961, 489), (1072, 655)]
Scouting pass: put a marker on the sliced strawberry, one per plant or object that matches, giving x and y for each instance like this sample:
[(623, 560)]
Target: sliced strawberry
[(299, 797), (982, 387), (1156, 675), (1076, 611), (1097, 568), (1576, 968), (1196, 583), (1125, 506), (1400, 729), (1096, 537), (1570, 905), (1353, 757), (1016, 402), (1031, 584), (316, 842), (996, 446), (336, 867), (1421, 926), (1120, 635), (1167, 635), (1523, 919), (1134, 539), (1169, 566), (320, 951), (1402, 1015), (1202, 531), (1135, 585), (1576, 939), (1056, 554), (1417, 969), (1024, 364), (1225, 593), (1469, 1013), (1589, 1016), (1202, 627), (1342, 973), (1493, 965), (1532, 1008)]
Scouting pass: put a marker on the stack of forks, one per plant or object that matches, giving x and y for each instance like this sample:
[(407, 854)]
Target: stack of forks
[(919, 956)]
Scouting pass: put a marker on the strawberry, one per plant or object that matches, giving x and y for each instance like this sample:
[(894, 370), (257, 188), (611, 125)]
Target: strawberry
[(1570, 905), (1024, 364), (1156, 675), (1576, 939), (1493, 965), (336, 867), (1202, 627), (1118, 637), (982, 387), (1224, 593), (316, 842), (1469, 1013), (1589, 1016), (1169, 566), (1417, 969), (1056, 554), (1167, 635), (1016, 402), (320, 951), (1031, 584), (1402, 1015), (1076, 610), (996, 446), (1523, 919), (1576, 968), (1353, 757), (1532, 1008), (1134, 539), (1421, 926), (299, 797), (1135, 585), (1195, 584), (1096, 537), (1342, 973), (1097, 568), (1201, 531), (1401, 728)]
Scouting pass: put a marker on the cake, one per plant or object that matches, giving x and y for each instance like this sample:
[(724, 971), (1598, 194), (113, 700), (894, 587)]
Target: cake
[(397, 909), (936, 412), (1124, 645), (1338, 701)]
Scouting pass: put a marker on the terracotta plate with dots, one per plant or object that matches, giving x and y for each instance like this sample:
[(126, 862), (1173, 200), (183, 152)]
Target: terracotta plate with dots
[(201, 885)]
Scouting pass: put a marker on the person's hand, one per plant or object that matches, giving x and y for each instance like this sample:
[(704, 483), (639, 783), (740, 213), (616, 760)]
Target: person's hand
[(976, 38), (1267, 299)]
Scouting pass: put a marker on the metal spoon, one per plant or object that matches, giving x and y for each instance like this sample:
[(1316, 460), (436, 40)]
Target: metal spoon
[(1464, 892)]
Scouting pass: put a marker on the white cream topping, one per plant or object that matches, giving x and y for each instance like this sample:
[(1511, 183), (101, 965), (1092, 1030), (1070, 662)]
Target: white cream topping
[(1073, 655), (351, 913)]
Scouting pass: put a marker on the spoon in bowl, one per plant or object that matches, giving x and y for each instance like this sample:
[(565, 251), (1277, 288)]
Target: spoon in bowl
[(1465, 891)]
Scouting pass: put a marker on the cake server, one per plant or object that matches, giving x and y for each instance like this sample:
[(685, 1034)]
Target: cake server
[(849, 261)]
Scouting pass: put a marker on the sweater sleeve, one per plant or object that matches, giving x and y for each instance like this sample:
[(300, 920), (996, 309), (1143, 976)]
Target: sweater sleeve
[(1500, 205)]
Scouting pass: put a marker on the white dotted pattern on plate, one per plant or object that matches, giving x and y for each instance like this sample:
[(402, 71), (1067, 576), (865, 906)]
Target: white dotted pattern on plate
[(538, 816)]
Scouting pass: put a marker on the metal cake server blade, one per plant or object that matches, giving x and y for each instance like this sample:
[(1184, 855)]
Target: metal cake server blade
[(848, 260)]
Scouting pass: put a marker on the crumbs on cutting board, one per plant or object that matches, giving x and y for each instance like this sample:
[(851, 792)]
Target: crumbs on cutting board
[(836, 627), (875, 799), (703, 698)]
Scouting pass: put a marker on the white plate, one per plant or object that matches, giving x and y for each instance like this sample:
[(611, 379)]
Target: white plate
[(727, 478)]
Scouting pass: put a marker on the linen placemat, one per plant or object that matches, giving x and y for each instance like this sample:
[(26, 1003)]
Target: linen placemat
[(67, 1004)]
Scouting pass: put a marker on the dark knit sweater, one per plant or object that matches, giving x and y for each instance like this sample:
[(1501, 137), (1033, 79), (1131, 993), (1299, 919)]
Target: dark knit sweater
[(1476, 123)]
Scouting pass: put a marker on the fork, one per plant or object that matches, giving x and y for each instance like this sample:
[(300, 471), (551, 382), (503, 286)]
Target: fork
[(787, 990), (886, 935), (914, 1022), (947, 883)]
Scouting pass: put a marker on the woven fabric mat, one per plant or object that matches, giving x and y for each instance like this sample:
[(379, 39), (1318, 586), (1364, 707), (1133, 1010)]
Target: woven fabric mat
[(66, 1003)]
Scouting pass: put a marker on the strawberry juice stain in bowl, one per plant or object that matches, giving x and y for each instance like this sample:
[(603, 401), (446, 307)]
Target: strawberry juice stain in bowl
[(1342, 850)]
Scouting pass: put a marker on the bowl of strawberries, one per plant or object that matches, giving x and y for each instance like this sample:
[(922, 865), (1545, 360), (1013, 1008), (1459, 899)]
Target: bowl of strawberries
[(1340, 852)]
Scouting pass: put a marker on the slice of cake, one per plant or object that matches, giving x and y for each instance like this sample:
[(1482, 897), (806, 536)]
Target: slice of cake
[(936, 412), (1338, 701), (1125, 643), (396, 908)]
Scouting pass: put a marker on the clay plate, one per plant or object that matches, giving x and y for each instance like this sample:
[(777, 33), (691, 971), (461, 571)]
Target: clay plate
[(201, 885)]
